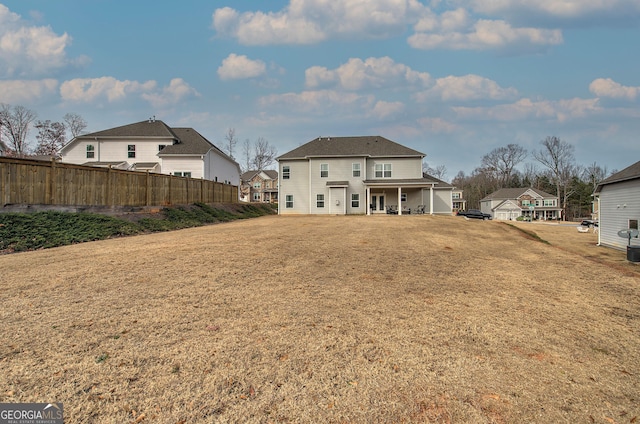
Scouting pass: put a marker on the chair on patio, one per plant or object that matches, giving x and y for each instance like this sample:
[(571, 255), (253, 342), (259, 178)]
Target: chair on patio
[(392, 209), (420, 210)]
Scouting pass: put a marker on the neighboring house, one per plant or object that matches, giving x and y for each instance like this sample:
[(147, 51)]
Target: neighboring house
[(511, 203), (259, 186), (459, 203), (619, 206), (358, 175), (155, 147)]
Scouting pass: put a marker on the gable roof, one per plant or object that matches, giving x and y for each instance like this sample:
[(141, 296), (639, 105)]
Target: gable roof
[(441, 184), (629, 173), (190, 142), (150, 128), (514, 193), (373, 146), (250, 174)]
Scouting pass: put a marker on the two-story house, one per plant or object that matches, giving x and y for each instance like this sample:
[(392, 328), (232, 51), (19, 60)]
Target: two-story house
[(154, 146), (358, 175), (511, 203), (259, 186), (459, 202)]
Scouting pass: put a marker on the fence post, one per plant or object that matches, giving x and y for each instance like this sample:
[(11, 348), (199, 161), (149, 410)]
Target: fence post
[(52, 183), (148, 193), (109, 199), (202, 190)]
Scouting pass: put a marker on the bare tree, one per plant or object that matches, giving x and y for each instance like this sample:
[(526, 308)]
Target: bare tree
[(557, 156), (14, 124), (439, 172), (264, 154), (51, 137), (502, 161), (75, 124), (246, 155), (593, 174), (231, 140)]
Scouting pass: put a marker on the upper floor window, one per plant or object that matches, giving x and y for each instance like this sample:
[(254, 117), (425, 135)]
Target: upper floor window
[(526, 202), (286, 172), (549, 202), (324, 170), (455, 195), (355, 167), (383, 170), (320, 200), (131, 151), (257, 184), (90, 151)]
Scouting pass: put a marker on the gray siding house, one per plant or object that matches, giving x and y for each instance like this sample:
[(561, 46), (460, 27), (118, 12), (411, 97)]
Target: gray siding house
[(358, 175), (618, 199)]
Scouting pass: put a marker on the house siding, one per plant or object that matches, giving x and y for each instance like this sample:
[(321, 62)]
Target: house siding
[(297, 185), (614, 215), (191, 164), (221, 169), (401, 168), (109, 150)]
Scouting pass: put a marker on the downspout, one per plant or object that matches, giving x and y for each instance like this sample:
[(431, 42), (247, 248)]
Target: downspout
[(431, 200)]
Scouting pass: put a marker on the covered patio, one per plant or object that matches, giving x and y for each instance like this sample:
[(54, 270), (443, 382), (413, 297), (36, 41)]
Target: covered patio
[(401, 196)]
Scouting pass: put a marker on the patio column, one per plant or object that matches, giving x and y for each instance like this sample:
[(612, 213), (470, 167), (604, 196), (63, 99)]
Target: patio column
[(431, 200), (399, 200), (368, 198)]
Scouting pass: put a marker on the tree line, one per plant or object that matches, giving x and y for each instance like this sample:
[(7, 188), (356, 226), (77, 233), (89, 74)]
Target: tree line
[(554, 170)]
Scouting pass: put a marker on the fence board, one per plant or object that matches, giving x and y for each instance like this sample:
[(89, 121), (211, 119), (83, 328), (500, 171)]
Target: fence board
[(28, 181)]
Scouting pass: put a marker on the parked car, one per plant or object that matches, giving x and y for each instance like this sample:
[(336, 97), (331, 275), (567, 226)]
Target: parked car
[(475, 213), (589, 223)]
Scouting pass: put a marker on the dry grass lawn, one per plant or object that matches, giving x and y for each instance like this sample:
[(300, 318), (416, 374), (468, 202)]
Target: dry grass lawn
[(385, 319)]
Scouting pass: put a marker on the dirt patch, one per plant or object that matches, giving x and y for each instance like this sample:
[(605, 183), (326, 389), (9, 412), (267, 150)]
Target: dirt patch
[(325, 319)]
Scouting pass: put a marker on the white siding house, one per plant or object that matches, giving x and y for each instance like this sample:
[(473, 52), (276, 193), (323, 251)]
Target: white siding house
[(358, 175), (619, 206), (155, 147)]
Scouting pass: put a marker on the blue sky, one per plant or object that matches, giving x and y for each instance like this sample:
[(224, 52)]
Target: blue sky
[(453, 79)]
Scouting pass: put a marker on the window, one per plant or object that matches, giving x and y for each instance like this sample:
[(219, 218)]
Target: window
[(526, 202), (90, 151), (257, 184), (455, 195), (549, 202), (355, 167), (633, 224), (403, 197), (161, 146), (383, 170), (182, 174), (355, 200), (324, 170), (286, 172), (256, 197), (131, 151), (320, 200), (288, 201)]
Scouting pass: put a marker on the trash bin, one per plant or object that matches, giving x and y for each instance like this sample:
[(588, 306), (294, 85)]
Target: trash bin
[(633, 253)]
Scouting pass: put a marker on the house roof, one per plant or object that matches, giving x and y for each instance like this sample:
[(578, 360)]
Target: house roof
[(250, 174), (441, 184), (514, 193), (629, 173), (150, 128), (374, 146), (190, 142)]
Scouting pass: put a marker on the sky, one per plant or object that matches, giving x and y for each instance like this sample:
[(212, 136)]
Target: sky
[(453, 79)]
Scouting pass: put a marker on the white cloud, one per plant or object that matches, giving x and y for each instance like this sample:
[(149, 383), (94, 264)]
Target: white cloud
[(321, 102), (31, 50), (383, 110), (466, 88), (437, 125), (488, 34), (176, 91), (240, 67), (23, 91), (87, 90), (373, 72), (313, 21), (556, 9), (606, 87), (526, 109)]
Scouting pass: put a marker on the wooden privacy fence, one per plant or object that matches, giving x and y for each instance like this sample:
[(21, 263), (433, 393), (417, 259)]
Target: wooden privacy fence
[(35, 182)]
